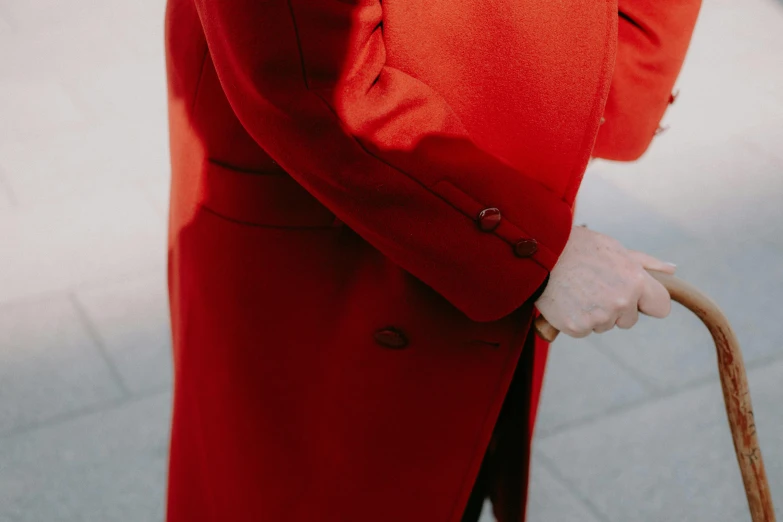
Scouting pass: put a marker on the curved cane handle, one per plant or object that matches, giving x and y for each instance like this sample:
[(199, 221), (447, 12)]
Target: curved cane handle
[(734, 381)]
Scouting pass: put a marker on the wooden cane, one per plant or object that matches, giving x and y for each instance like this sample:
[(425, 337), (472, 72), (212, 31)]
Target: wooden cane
[(734, 381)]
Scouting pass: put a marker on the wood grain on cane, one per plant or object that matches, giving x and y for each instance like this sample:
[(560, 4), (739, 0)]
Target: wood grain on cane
[(734, 382)]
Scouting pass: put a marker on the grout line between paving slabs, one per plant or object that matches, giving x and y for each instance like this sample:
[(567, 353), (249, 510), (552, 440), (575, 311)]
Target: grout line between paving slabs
[(559, 477), (702, 382), (635, 374), (77, 414), (84, 285), (92, 331)]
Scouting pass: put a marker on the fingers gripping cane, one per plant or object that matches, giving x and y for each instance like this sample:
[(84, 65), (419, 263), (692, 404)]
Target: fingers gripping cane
[(734, 382)]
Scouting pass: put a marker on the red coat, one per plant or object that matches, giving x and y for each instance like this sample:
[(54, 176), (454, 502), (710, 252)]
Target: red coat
[(365, 197)]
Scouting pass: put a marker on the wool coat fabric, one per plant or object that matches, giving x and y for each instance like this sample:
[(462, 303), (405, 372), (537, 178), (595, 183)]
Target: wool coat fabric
[(366, 197)]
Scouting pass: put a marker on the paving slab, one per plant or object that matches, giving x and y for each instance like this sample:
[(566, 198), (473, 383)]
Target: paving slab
[(35, 108), (68, 166), (131, 320), (550, 500), (728, 81), (606, 208), (582, 382), (109, 466), (50, 366), (671, 459), (103, 235), (50, 13), (145, 38), (69, 39), (721, 191), (728, 30), (129, 93), (669, 354)]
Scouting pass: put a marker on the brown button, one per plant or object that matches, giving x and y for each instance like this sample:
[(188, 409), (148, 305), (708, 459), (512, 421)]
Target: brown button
[(602, 121), (661, 129), (391, 338), (526, 247), (488, 219)]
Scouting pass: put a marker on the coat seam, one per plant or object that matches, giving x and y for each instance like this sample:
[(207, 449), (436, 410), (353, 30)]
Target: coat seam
[(199, 81), (302, 62), (241, 222)]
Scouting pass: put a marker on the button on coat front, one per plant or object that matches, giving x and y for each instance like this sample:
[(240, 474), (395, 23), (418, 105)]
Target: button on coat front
[(391, 338)]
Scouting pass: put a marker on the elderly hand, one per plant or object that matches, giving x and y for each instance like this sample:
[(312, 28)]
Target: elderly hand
[(597, 284)]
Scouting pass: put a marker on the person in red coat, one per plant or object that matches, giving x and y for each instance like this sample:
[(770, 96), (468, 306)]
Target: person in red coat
[(368, 199)]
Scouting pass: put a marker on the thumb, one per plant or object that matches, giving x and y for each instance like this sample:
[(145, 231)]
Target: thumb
[(649, 262)]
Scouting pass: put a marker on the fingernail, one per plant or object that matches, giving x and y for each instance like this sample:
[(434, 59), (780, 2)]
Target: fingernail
[(671, 264)]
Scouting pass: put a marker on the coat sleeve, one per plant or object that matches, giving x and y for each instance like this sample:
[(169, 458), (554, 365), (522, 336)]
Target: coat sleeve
[(309, 81), (653, 38)]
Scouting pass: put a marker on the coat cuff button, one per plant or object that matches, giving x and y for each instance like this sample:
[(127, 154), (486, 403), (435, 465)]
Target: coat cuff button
[(488, 219), (391, 338), (525, 247)]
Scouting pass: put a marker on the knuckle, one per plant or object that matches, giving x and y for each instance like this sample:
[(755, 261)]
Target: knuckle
[(574, 328), (622, 302), (581, 334), (639, 277), (570, 326)]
